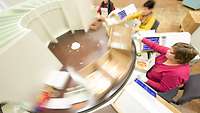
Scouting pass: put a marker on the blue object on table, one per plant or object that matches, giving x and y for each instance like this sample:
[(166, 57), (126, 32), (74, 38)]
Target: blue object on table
[(122, 14), (194, 4), (145, 87), (153, 39)]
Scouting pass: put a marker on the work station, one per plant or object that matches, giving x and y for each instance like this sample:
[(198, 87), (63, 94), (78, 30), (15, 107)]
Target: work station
[(99, 56)]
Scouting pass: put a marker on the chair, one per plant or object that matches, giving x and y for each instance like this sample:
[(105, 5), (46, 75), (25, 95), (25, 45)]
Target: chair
[(155, 25), (168, 96), (191, 91)]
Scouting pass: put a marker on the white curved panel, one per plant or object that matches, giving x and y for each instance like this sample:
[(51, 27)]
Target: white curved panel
[(37, 27), (9, 3), (25, 30), (86, 11), (54, 21), (55, 17), (71, 14), (23, 70)]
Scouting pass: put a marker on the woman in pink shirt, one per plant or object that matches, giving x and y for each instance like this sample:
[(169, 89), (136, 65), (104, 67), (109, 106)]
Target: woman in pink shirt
[(171, 68)]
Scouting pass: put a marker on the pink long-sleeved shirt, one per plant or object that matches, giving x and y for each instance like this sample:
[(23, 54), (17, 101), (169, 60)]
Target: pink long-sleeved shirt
[(163, 77)]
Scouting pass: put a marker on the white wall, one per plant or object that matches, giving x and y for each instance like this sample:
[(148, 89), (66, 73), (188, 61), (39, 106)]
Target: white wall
[(56, 18), (25, 64), (12, 2), (24, 67), (2, 6)]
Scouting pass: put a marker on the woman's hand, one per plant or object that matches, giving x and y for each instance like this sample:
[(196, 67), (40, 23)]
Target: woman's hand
[(137, 35)]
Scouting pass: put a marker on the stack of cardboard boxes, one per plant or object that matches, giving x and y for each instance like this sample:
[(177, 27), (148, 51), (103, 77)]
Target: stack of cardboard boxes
[(191, 22)]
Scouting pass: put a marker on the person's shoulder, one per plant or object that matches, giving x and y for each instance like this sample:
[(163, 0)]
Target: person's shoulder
[(184, 66), (138, 13), (183, 69)]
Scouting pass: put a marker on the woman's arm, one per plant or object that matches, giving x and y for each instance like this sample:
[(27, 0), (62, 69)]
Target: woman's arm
[(156, 47), (112, 6), (133, 16), (99, 10)]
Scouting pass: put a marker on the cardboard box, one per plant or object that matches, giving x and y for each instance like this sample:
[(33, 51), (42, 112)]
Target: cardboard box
[(120, 37), (191, 22), (96, 24)]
